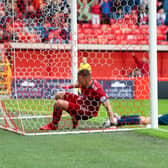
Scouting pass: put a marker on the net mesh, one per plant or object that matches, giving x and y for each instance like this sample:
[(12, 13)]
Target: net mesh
[(38, 38)]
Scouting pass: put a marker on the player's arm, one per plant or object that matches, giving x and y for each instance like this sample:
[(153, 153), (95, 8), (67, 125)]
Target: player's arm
[(137, 61), (75, 85), (110, 113)]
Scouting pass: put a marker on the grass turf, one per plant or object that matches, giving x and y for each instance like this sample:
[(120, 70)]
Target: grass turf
[(40, 107), (141, 149), (119, 149)]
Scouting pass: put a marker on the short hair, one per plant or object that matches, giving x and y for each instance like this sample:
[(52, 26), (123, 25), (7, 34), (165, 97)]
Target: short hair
[(84, 73)]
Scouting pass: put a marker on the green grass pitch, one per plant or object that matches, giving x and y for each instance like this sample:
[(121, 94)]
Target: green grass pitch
[(140, 149), (44, 107)]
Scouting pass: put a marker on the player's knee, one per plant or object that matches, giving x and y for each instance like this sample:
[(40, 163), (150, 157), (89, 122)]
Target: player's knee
[(58, 105), (59, 95)]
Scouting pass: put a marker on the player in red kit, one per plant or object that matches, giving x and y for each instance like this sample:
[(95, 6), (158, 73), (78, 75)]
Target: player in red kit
[(142, 65), (82, 107)]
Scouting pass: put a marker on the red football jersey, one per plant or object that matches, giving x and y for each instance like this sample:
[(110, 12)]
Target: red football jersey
[(92, 97)]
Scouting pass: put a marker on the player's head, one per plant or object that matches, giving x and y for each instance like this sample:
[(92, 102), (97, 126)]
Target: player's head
[(84, 78), (84, 60)]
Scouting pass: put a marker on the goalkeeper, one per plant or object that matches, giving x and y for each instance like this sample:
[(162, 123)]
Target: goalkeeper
[(136, 120), (81, 107)]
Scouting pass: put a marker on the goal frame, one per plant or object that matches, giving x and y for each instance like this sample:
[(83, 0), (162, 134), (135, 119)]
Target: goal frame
[(153, 69)]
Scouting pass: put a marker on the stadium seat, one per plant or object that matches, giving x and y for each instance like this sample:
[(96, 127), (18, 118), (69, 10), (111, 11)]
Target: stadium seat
[(118, 32), (78, 26), (163, 42), (111, 37), (143, 42), (93, 41), (83, 41), (113, 21), (135, 32), (95, 26), (81, 36), (133, 26), (107, 32), (36, 38), (121, 37), (86, 25), (127, 19), (105, 26), (98, 32), (120, 21), (126, 31), (115, 26), (124, 26), (80, 30), (161, 37), (114, 42), (88, 31)]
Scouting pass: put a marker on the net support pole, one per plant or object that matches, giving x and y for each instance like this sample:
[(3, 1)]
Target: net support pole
[(74, 47), (153, 63)]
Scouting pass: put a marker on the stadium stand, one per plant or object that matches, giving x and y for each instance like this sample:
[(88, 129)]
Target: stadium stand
[(30, 26)]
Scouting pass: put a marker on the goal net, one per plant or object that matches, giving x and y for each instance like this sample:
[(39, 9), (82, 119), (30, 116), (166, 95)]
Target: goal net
[(41, 49)]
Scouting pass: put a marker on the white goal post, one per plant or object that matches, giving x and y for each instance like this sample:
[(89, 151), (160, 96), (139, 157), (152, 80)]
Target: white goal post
[(153, 62)]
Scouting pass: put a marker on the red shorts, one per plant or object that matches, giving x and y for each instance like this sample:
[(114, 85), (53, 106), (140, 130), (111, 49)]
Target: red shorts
[(78, 107)]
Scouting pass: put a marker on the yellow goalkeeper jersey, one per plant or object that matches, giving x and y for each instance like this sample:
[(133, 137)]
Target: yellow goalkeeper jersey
[(85, 66)]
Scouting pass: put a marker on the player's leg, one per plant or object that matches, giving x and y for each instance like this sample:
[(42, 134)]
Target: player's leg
[(134, 120), (59, 106), (74, 104), (129, 120), (163, 119)]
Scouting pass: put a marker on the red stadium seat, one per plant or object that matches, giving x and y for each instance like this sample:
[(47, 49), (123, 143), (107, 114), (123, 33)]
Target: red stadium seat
[(144, 27), (88, 31), (143, 42), (161, 37), (81, 36), (107, 32), (113, 21), (115, 26), (80, 30), (86, 25), (133, 26), (93, 41), (163, 28), (163, 42), (126, 31), (120, 21), (83, 41), (118, 32), (98, 32), (127, 19), (111, 37), (105, 26), (135, 32), (95, 26), (113, 42)]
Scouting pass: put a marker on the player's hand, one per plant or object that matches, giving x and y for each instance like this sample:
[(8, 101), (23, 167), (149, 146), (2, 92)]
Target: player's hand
[(133, 54), (108, 124)]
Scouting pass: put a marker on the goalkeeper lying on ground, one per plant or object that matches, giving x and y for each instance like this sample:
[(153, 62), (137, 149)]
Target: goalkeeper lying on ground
[(81, 107), (136, 120)]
